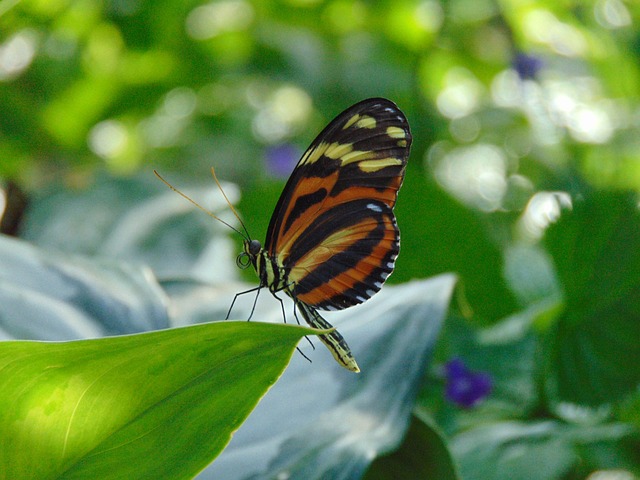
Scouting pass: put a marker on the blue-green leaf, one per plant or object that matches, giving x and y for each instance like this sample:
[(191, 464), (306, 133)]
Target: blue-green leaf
[(322, 421)]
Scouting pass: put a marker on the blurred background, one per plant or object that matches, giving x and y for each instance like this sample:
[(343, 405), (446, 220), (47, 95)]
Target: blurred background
[(522, 178)]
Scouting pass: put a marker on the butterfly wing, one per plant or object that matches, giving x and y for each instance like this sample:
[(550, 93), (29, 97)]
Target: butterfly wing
[(333, 230)]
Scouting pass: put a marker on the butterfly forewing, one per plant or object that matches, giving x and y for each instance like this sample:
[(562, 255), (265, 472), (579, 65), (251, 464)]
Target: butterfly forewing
[(333, 230)]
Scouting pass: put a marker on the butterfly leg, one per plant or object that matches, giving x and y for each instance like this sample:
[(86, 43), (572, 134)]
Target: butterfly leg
[(302, 353), (255, 302), (242, 293), (333, 340), (295, 315), (284, 315)]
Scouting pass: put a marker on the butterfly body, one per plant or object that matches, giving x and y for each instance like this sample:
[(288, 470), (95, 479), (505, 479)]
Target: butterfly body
[(333, 239)]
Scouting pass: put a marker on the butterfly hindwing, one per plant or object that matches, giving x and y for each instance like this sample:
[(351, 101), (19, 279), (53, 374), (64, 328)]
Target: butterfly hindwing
[(347, 266), (333, 230)]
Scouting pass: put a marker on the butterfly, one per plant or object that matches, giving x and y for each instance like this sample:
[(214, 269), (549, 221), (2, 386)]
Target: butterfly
[(333, 238)]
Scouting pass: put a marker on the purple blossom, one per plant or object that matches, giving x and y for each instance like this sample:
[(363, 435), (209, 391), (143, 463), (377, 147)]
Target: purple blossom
[(280, 159), (465, 387), (527, 66)]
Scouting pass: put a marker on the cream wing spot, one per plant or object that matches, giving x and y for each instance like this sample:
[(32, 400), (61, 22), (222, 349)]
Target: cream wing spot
[(312, 156), (360, 121), (366, 122), (337, 150), (371, 166), (354, 156), (396, 132), (351, 121)]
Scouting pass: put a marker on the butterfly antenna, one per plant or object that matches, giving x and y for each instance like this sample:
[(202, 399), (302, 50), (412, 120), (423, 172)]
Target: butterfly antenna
[(193, 202), (213, 173)]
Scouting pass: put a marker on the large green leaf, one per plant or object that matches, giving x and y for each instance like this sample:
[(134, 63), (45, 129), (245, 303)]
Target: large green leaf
[(591, 350), (154, 405)]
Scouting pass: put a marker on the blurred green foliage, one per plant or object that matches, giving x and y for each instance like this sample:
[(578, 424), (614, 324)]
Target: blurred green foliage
[(523, 176)]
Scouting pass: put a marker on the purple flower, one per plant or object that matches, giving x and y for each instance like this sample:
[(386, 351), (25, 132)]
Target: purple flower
[(281, 159), (527, 66), (464, 387)]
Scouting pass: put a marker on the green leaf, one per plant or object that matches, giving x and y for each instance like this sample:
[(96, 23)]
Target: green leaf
[(596, 250), (530, 274), (424, 454), (156, 405), (529, 451), (630, 410)]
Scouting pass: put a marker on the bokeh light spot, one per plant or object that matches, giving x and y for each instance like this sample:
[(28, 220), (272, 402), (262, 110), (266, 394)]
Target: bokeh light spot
[(284, 112), (465, 129), (543, 27), (16, 54), (180, 102), (108, 139), (461, 93), (476, 175), (429, 15), (612, 14), (208, 21)]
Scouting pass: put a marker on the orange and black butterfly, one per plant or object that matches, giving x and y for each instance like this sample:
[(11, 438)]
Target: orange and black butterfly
[(333, 238)]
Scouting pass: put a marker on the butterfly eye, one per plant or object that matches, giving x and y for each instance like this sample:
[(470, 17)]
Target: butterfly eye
[(243, 260), (254, 247)]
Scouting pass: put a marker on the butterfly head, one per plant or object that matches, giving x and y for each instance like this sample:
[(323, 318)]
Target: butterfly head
[(250, 251)]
